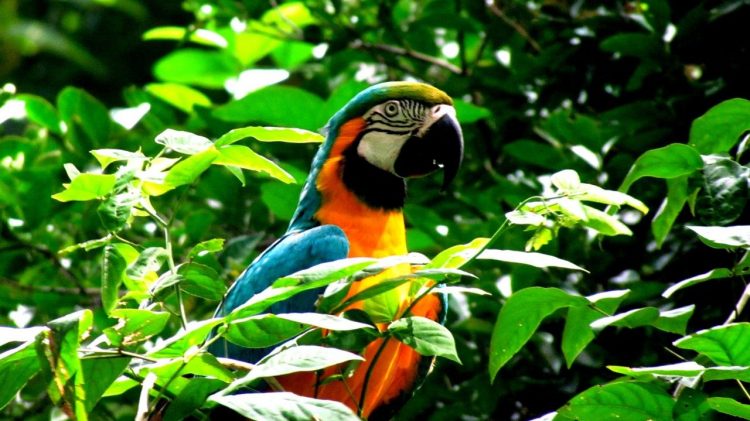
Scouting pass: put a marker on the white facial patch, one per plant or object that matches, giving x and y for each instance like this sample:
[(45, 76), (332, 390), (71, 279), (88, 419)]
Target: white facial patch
[(381, 149)]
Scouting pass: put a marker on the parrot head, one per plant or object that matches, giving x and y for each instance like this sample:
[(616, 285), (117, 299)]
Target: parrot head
[(410, 129), (386, 134)]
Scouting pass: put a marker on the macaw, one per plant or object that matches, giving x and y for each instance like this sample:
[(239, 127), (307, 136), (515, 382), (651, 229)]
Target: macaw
[(351, 206)]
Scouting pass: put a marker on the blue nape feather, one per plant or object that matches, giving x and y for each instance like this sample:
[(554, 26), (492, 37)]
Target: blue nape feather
[(293, 252)]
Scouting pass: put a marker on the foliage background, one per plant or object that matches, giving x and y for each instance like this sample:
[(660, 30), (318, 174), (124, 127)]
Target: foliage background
[(542, 86)]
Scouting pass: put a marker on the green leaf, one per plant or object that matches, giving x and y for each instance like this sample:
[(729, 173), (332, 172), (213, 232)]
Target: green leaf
[(724, 345), (730, 406), (61, 343), (188, 170), (213, 245), (108, 156), (189, 66), (519, 319), (291, 54), (177, 345), (468, 113), (539, 260), (201, 281), (724, 191), (270, 134), (135, 325), (269, 329), (113, 266), (17, 366), (41, 112), (692, 405), (592, 193), (426, 336), (292, 360), (281, 199), (261, 331), (244, 157), (76, 106), (578, 333), (272, 105), (324, 321), (192, 397), (737, 236), (12, 334), (457, 256), (623, 401), (719, 273), (116, 210), (178, 33), (304, 280), (87, 187), (674, 321), (183, 142), (643, 46), (150, 260), (684, 369), (720, 128), (604, 223), (666, 215), (179, 96), (538, 154), (285, 406), (98, 376), (671, 161)]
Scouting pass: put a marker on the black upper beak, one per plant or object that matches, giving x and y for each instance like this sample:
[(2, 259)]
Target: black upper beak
[(442, 146)]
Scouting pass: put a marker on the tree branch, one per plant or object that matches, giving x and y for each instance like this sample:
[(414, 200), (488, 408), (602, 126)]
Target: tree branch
[(497, 11), (400, 51)]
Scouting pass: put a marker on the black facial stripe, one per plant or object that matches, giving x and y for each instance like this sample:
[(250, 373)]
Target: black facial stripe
[(386, 131), (377, 188), (378, 116)]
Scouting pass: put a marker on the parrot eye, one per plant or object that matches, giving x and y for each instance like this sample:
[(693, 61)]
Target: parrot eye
[(391, 109)]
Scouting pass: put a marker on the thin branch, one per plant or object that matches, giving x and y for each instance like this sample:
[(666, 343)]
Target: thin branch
[(497, 11), (400, 51), (89, 292), (116, 352)]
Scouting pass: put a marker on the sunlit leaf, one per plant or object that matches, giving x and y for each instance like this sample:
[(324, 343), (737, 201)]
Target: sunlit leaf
[(269, 134), (284, 406), (724, 237), (724, 345), (87, 187), (539, 260), (181, 97), (719, 273), (244, 157), (178, 33)]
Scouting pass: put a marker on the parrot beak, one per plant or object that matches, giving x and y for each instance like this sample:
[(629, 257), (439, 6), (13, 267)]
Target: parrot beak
[(439, 144)]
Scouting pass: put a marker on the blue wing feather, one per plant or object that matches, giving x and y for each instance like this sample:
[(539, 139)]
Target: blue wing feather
[(293, 252)]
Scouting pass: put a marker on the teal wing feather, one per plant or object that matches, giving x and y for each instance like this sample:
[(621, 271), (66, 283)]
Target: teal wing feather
[(293, 252)]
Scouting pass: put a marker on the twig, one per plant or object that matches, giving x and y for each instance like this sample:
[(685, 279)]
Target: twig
[(408, 53), (118, 353), (497, 11), (90, 292)]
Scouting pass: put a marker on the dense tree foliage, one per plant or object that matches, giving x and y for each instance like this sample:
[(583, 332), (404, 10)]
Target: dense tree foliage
[(142, 169)]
